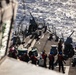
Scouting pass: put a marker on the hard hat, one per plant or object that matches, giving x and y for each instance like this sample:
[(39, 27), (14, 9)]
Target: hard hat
[(51, 52), (60, 53)]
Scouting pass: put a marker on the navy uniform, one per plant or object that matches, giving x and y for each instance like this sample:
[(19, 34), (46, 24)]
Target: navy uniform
[(60, 61), (51, 61), (25, 57), (44, 56), (34, 59), (60, 46)]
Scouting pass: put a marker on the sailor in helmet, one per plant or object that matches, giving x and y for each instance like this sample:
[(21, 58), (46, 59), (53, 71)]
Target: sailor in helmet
[(60, 62), (51, 60)]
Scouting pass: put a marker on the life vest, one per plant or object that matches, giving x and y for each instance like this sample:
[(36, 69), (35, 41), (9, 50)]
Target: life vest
[(44, 56), (51, 57), (33, 58), (60, 57), (12, 48)]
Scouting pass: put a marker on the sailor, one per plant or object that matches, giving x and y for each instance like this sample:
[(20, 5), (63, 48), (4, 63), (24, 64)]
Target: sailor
[(41, 61), (34, 59), (51, 60), (60, 46), (44, 56), (74, 58), (13, 52), (51, 36), (25, 57), (45, 29), (60, 62), (56, 38)]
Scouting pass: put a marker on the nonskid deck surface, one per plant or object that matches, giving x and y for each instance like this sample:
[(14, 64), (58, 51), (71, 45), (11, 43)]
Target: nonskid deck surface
[(14, 67)]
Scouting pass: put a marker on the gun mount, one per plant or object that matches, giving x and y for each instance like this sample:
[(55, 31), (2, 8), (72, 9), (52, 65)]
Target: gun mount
[(33, 25), (69, 39), (36, 26), (68, 50)]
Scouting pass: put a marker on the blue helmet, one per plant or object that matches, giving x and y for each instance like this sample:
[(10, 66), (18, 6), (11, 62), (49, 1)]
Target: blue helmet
[(60, 53), (51, 52)]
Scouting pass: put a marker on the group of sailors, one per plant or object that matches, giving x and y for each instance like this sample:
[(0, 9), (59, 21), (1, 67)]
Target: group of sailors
[(42, 59), (52, 62)]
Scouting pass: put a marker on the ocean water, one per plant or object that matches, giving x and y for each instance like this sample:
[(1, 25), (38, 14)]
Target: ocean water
[(61, 14)]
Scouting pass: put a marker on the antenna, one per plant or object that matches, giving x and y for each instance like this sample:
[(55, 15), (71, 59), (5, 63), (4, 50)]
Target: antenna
[(71, 33)]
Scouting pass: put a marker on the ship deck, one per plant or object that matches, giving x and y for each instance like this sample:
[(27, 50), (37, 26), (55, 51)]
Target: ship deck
[(44, 44)]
